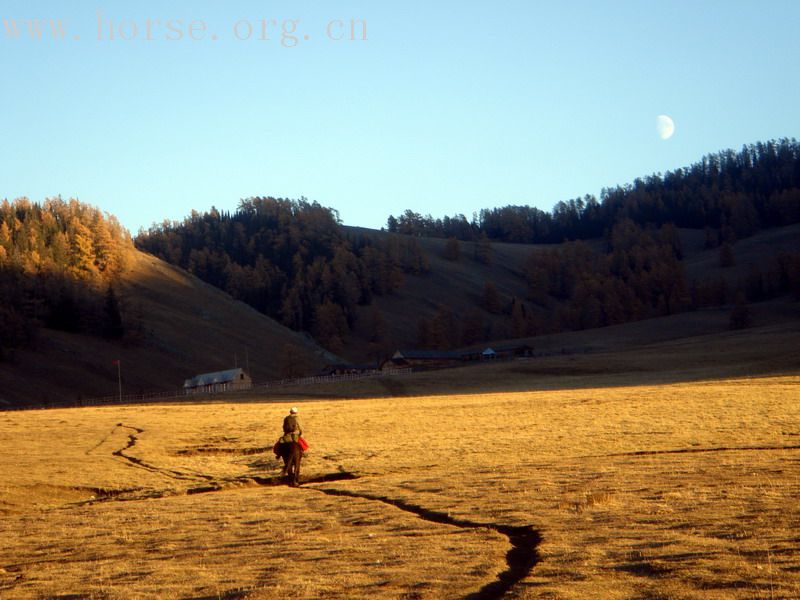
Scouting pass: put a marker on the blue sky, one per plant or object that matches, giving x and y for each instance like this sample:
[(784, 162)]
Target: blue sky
[(445, 108)]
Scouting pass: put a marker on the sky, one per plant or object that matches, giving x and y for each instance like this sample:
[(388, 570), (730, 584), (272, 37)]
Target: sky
[(148, 110)]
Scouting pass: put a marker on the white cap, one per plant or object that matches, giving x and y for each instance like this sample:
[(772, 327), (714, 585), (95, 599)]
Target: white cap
[(293, 410)]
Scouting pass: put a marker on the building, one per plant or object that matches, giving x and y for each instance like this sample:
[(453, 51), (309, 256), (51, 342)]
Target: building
[(220, 381), (421, 359), (348, 369), (518, 351)]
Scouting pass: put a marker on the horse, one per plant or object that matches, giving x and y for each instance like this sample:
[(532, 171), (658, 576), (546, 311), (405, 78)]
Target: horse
[(292, 455)]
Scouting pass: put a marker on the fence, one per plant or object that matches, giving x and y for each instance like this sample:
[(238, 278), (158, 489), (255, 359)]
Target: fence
[(183, 394)]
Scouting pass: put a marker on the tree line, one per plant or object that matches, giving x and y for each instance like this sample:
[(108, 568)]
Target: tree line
[(289, 259), (59, 262), (737, 193)]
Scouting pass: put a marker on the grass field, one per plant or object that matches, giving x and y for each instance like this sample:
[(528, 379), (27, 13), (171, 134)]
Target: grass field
[(684, 490)]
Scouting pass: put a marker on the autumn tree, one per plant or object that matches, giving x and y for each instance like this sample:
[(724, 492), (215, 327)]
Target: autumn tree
[(330, 326), (483, 250), (56, 260), (451, 250)]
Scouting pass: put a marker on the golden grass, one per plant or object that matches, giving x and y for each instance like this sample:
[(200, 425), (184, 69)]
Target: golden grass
[(687, 490)]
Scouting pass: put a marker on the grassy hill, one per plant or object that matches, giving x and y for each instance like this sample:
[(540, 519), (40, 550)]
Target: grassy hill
[(188, 327), (459, 284), (456, 284), (701, 263)]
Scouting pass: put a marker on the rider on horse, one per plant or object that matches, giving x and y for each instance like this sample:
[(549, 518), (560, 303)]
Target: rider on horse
[(285, 446), (291, 427)]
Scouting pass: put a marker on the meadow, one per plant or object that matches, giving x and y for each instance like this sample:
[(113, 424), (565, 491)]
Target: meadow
[(644, 490)]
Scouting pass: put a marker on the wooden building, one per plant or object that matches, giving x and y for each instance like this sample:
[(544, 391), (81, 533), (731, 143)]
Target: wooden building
[(220, 381), (348, 369), (421, 359)]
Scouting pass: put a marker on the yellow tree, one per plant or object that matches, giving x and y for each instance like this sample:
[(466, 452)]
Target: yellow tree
[(81, 249)]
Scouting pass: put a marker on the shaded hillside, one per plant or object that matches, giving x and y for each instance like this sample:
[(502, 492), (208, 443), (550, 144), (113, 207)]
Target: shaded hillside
[(459, 284), (753, 252), (184, 327), (455, 284)]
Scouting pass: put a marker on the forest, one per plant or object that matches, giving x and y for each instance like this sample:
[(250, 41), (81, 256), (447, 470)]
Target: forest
[(289, 259), (59, 262), (735, 193), (608, 262)]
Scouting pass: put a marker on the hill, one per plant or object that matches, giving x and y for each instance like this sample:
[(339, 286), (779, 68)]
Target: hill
[(459, 284), (647, 249), (186, 327), (178, 326)]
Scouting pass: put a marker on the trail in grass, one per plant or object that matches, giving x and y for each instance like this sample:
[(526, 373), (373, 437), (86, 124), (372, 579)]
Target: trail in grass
[(138, 462), (700, 450), (520, 559), (524, 540)]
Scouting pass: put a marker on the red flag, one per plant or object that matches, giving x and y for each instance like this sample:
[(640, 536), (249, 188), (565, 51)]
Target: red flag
[(116, 362)]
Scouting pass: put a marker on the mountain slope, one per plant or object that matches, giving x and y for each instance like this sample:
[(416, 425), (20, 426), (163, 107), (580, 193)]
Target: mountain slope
[(187, 327), (458, 284)]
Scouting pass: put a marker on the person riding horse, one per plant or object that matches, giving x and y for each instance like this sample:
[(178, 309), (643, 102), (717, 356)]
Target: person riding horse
[(289, 447)]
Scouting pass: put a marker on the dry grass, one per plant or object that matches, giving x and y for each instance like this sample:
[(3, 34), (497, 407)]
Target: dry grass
[(686, 490)]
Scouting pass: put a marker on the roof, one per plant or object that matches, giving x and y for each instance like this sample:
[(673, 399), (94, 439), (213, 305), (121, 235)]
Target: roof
[(426, 355), (513, 348), (228, 376)]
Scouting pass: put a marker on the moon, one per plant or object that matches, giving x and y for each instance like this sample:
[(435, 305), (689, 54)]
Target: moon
[(665, 127)]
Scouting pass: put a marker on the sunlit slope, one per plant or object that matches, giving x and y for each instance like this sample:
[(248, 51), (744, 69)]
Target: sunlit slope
[(186, 327)]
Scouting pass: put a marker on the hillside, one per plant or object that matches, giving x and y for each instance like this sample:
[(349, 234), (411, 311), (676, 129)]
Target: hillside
[(663, 244), (455, 284), (459, 284), (188, 327)]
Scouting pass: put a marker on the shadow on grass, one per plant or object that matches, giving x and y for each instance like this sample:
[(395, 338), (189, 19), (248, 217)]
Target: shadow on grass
[(520, 559)]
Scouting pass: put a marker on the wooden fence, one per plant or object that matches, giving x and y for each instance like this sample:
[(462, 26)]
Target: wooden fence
[(146, 397)]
